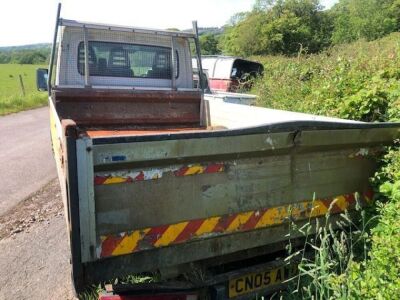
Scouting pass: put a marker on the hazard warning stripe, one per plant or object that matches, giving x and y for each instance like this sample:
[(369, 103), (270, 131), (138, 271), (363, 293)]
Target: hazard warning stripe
[(165, 235), (157, 173)]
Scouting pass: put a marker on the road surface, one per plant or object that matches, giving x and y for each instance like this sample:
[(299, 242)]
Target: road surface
[(26, 162), (34, 260)]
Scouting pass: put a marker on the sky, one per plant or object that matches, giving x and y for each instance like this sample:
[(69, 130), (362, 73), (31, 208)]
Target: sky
[(32, 21)]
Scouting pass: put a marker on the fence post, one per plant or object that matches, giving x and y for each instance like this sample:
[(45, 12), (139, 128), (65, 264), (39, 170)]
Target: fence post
[(21, 82)]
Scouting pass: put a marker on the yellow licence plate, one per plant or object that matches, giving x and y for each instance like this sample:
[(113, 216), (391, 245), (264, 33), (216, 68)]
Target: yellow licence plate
[(260, 280)]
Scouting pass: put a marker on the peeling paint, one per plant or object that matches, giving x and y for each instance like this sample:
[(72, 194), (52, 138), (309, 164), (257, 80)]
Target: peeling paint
[(360, 153), (363, 152), (165, 235), (270, 142), (128, 176)]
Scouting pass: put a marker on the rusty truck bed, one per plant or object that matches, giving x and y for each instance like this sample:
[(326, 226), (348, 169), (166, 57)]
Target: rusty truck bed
[(120, 132)]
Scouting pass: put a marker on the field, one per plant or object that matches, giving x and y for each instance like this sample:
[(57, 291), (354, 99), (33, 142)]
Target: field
[(11, 96)]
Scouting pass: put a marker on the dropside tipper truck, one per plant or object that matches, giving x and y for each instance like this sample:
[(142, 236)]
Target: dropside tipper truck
[(155, 179)]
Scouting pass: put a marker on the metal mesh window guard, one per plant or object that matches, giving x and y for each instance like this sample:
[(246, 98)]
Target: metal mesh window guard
[(121, 59), (127, 60)]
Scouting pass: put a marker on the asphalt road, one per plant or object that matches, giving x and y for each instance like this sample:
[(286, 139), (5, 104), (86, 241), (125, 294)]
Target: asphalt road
[(34, 260), (26, 162), (33, 239)]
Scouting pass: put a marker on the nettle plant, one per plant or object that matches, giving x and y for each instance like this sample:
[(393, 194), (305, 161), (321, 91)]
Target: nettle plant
[(377, 101)]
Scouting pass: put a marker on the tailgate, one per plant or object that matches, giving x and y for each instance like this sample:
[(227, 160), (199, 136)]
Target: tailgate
[(148, 202)]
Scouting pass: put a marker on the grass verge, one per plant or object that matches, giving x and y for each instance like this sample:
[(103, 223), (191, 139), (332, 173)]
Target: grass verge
[(16, 103), (12, 98)]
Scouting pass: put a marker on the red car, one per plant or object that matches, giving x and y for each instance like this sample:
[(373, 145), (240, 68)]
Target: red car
[(229, 73)]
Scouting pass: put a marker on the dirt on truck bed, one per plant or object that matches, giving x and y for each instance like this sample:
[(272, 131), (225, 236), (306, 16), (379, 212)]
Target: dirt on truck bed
[(34, 261)]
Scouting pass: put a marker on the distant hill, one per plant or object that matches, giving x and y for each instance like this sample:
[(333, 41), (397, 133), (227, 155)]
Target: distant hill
[(208, 30), (25, 47), (26, 54)]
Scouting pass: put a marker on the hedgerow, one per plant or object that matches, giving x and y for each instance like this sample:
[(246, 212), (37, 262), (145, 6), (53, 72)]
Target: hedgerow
[(359, 81)]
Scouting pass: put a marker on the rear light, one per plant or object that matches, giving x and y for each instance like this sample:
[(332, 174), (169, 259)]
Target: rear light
[(150, 297), (222, 85)]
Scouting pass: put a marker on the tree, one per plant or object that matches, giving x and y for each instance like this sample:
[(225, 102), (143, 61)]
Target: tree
[(279, 27), (237, 18), (369, 19), (263, 5), (244, 39), (394, 11), (209, 44), (25, 56)]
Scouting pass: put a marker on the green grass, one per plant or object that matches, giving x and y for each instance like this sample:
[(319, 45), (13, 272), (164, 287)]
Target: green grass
[(359, 81), (11, 96), (334, 82)]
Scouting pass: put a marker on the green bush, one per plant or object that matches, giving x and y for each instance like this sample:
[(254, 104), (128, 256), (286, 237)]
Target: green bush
[(336, 82), (379, 276), (359, 81), (209, 44)]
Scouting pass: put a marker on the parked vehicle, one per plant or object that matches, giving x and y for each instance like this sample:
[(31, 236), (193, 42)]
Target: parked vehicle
[(156, 179), (229, 73)]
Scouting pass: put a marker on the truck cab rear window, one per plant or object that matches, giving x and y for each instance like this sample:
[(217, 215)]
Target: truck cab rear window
[(127, 60)]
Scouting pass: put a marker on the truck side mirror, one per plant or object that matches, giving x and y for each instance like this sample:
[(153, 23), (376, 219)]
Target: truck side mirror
[(41, 79)]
